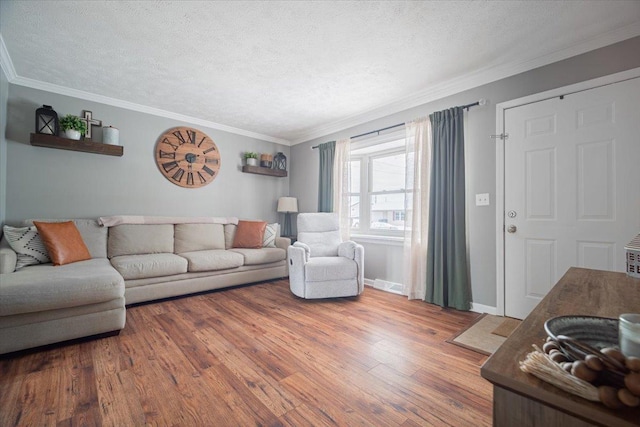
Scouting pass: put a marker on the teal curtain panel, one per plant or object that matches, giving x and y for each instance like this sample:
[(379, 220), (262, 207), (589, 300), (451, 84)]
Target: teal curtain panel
[(325, 181), (447, 273)]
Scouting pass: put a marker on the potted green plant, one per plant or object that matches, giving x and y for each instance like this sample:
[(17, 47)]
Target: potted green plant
[(251, 158), (72, 127)]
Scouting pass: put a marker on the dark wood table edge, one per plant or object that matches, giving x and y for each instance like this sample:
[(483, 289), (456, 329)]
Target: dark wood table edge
[(539, 391)]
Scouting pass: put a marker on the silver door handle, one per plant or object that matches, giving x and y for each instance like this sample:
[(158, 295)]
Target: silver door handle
[(511, 229)]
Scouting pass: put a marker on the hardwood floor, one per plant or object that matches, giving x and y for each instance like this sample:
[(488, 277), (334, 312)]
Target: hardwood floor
[(257, 355)]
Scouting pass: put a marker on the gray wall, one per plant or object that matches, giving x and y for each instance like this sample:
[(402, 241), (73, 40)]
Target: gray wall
[(4, 94), (51, 183), (480, 156)]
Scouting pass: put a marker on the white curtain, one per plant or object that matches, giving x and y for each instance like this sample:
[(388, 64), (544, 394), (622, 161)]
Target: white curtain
[(418, 150), (341, 181)]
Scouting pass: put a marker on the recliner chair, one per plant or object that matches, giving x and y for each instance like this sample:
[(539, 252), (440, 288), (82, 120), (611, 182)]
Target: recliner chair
[(321, 265)]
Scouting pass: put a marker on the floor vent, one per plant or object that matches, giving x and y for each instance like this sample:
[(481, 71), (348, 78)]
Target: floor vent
[(392, 287)]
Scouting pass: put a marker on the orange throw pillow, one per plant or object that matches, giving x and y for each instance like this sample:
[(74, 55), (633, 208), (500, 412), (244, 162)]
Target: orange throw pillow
[(249, 234), (63, 242)]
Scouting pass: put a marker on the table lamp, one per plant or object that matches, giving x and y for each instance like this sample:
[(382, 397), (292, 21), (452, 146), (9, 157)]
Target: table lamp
[(287, 205)]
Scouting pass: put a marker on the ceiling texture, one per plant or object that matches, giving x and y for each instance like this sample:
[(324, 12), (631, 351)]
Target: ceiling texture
[(290, 71)]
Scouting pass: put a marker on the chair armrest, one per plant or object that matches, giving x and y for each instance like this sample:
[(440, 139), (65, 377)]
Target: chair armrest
[(359, 259), (283, 242), (354, 251), (306, 248), (347, 249), (296, 259), (8, 257)]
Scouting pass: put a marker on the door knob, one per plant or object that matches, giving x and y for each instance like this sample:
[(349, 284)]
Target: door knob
[(512, 228)]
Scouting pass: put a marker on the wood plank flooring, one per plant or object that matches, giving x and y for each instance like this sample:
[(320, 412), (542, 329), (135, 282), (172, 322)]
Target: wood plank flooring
[(257, 355)]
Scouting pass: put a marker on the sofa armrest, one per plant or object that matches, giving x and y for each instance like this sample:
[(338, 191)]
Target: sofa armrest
[(8, 257), (296, 259), (283, 242)]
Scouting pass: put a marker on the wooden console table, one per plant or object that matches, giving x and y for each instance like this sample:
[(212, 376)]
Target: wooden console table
[(522, 400)]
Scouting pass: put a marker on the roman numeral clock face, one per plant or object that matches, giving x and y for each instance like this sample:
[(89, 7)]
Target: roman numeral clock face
[(187, 157)]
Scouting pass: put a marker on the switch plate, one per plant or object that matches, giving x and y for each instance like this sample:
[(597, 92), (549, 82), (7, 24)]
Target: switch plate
[(482, 199)]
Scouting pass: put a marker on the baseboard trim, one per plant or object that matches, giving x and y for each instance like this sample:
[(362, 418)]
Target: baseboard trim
[(475, 307), (481, 308)]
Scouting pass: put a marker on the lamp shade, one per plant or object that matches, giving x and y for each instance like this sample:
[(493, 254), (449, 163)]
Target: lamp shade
[(287, 204)]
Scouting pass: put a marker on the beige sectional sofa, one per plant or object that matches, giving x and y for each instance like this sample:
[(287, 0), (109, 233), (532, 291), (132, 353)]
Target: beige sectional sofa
[(131, 263)]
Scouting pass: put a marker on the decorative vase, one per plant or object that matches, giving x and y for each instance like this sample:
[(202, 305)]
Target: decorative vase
[(266, 160), (71, 134), (252, 162), (110, 135)]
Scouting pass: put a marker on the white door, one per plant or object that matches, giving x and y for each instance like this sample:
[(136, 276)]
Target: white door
[(572, 188)]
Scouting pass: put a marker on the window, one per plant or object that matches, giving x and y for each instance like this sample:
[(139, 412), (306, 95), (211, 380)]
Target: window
[(377, 187)]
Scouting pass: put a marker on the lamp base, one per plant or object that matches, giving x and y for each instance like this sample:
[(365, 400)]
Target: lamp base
[(286, 226)]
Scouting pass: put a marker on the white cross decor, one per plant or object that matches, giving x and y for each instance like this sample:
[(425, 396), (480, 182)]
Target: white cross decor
[(90, 121)]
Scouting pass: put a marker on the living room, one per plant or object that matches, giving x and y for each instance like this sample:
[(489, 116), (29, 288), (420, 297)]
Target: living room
[(38, 182)]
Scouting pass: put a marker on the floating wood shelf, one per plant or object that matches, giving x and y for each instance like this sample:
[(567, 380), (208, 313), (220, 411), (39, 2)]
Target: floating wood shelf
[(51, 141), (264, 171)]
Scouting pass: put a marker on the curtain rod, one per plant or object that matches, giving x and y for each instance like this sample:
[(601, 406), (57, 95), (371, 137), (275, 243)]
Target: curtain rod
[(473, 104)]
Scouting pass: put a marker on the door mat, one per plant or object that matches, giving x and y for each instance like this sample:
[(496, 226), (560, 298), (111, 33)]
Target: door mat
[(478, 336), (506, 327)]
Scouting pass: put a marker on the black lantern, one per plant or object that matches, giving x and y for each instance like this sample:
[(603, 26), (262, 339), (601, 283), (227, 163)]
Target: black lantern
[(280, 162), (46, 121)]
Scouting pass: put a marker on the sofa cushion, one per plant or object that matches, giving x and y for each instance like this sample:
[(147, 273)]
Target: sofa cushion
[(63, 242), (198, 237), (149, 265), (218, 259), (261, 256), (229, 235), (93, 235), (139, 239), (321, 269), (27, 244), (46, 287)]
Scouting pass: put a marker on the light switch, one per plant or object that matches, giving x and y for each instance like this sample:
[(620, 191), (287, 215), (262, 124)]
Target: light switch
[(482, 199)]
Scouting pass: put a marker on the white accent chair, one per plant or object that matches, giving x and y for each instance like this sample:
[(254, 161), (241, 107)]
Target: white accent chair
[(321, 265)]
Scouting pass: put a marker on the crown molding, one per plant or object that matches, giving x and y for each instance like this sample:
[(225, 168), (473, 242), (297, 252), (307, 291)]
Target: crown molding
[(63, 90), (433, 93), (468, 81), (5, 61)]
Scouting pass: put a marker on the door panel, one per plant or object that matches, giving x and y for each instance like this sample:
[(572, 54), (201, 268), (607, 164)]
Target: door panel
[(597, 255), (571, 174), (596, 181), (540, 184), (540, 264)]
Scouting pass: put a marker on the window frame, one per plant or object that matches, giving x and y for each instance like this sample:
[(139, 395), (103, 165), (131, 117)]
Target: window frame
[(366, 181)]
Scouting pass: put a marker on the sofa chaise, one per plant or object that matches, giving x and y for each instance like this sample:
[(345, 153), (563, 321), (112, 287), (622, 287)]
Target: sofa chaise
[(130, 263)]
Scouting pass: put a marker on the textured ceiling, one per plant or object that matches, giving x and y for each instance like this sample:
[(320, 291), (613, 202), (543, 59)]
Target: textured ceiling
[(288, 69)]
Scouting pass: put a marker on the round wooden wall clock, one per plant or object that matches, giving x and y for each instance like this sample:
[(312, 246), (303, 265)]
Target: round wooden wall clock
[(187, 157)]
